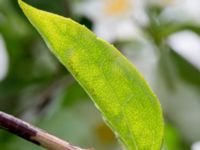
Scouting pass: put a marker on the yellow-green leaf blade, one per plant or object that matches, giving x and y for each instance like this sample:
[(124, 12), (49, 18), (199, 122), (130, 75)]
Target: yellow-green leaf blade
[(117, 89)]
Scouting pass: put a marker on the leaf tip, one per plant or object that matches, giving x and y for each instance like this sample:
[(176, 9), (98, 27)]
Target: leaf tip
[(20, 3)]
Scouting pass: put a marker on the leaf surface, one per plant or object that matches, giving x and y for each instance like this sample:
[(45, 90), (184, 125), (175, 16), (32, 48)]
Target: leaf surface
[(118, 90)]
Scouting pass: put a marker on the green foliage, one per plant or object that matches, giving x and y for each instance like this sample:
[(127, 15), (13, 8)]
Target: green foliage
[(117, 89)]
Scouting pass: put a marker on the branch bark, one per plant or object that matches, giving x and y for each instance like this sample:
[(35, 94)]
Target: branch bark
[(33, 134)]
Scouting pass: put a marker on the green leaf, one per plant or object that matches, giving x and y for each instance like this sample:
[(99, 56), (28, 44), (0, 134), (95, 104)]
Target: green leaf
[(121, 94)]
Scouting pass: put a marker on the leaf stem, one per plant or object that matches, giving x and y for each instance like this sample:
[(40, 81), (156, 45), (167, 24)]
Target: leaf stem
[(33, 134)]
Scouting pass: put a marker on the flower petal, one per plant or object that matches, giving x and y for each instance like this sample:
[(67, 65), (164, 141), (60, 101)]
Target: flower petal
[(3, 59), (186, 44)]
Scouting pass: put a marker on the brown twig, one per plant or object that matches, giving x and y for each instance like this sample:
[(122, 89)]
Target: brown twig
[(33, 134)]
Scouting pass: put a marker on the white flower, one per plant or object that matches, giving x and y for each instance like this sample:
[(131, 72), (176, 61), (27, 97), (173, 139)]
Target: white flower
[(3, 59), (114, 19), (187, 44), (183, 11), (196, 146)]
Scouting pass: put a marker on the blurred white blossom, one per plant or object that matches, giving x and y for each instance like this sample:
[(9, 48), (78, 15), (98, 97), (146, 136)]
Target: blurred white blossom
[(186, 44), (114, 19), (182, 11), (196, 146), (3, 59)]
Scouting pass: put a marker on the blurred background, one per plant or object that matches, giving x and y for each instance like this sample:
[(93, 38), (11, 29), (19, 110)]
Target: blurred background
[(160, 37)]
